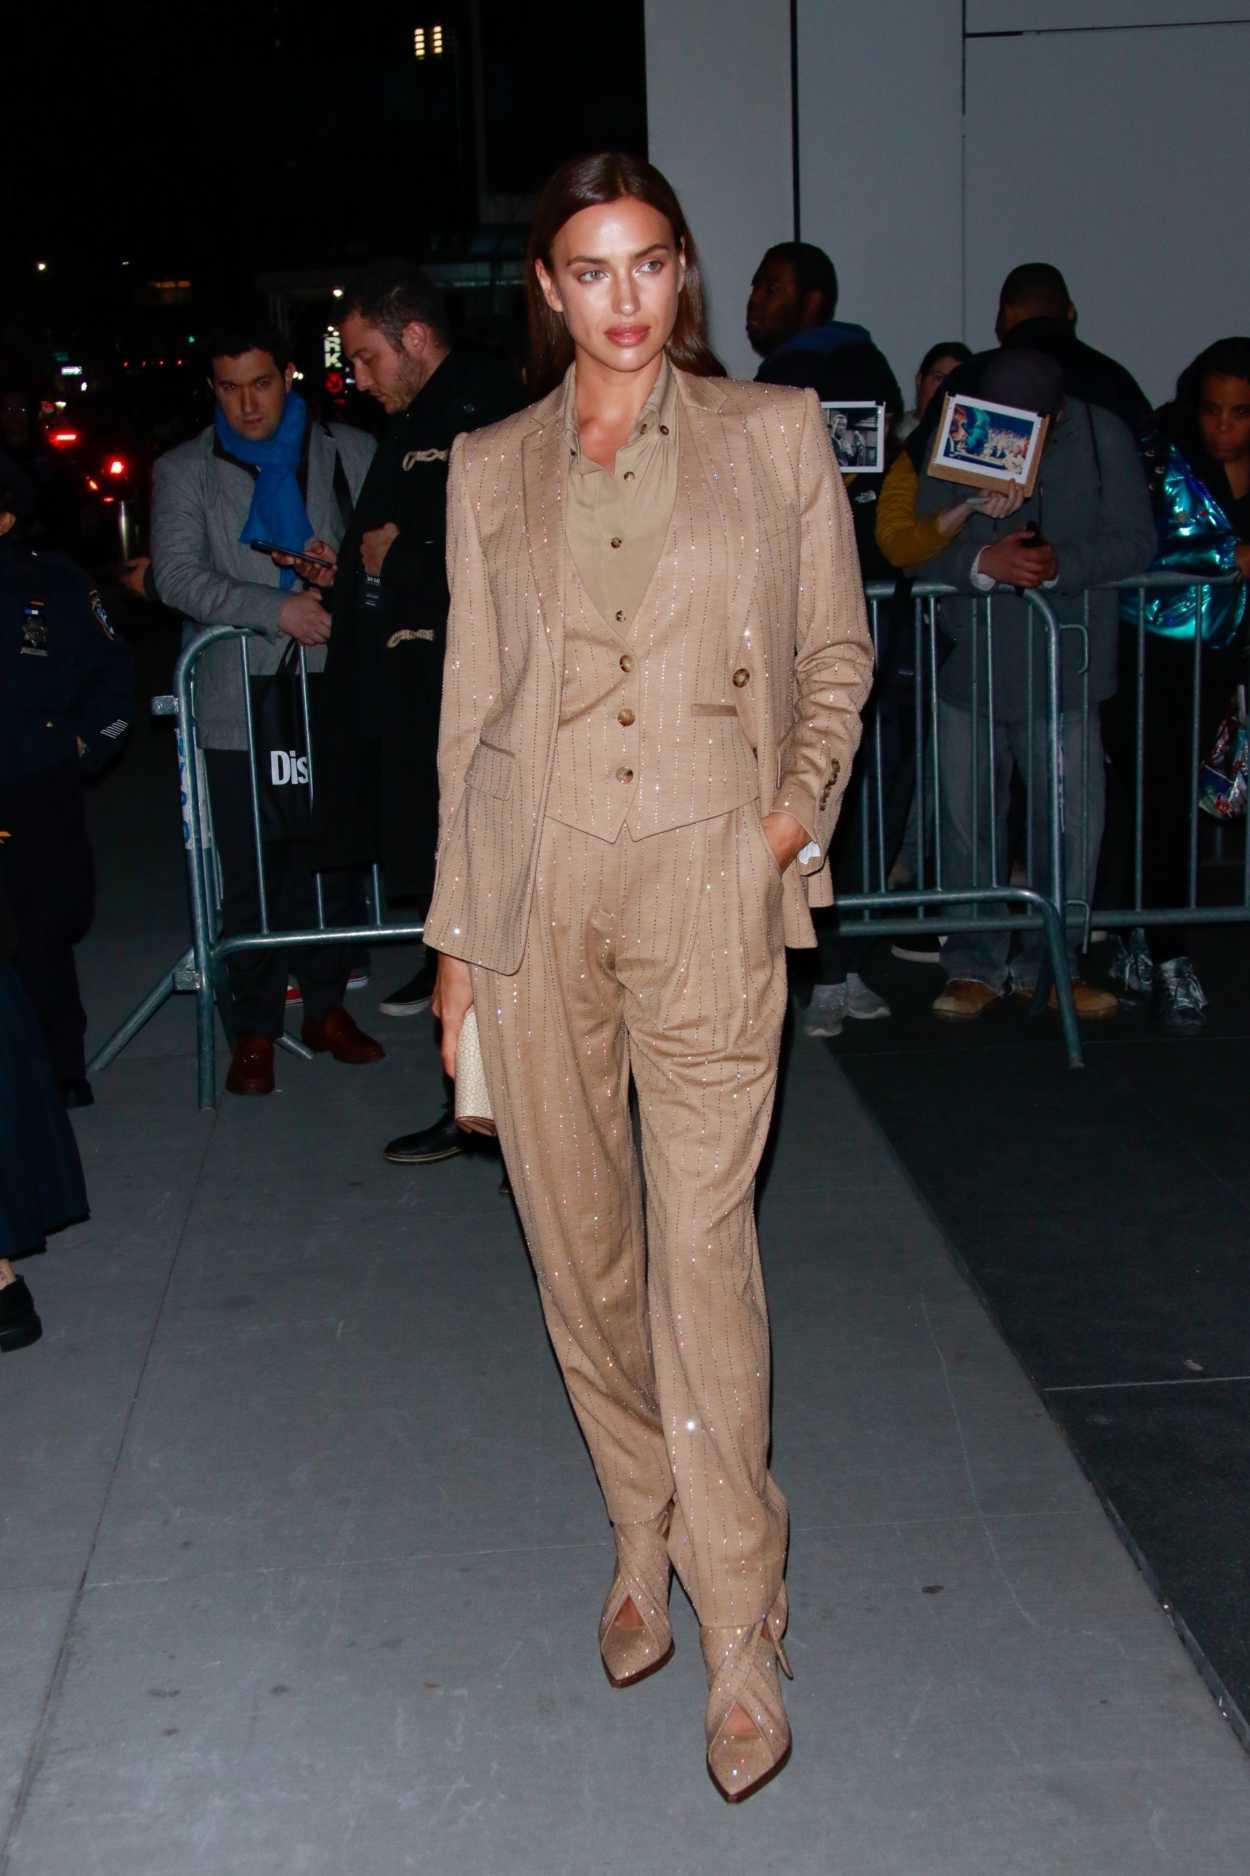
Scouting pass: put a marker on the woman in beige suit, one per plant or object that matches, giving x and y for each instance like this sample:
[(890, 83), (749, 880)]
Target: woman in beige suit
[(657, 656)]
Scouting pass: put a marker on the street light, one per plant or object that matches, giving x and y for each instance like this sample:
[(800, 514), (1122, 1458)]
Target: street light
[(336, 293), (41, 267)]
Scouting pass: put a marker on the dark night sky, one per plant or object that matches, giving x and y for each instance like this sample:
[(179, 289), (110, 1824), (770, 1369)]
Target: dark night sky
[(233, 138)]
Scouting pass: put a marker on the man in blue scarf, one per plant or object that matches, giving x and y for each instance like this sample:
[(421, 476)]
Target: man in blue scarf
[(244, 423), (263, 470)]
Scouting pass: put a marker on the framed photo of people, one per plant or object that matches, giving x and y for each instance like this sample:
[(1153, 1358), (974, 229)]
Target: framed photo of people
[(857, 432), (988, 446)]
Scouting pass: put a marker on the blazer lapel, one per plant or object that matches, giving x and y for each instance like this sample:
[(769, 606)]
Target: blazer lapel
[(544, 474), (721, 440)]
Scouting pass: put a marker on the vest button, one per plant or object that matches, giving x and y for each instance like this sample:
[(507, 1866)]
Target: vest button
[(624, 775), (625, 717), (615, 541), (741, 676), (627, 663)]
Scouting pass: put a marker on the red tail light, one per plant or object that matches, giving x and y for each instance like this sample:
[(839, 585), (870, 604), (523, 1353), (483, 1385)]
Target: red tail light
[(115, 466), (64, 439)]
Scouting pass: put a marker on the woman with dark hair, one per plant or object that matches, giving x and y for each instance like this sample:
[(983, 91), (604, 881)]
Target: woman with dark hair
[(657, 655), (1199, 470), (931, 374)]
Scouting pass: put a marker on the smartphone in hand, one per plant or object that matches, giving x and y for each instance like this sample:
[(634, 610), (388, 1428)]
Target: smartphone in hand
[(293, 553)]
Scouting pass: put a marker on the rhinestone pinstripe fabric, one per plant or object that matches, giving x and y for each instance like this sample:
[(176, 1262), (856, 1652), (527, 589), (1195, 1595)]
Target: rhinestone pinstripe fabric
[(658, 954)]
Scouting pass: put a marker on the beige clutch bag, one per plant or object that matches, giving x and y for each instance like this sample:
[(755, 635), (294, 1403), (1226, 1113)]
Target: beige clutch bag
[(473, 1110)]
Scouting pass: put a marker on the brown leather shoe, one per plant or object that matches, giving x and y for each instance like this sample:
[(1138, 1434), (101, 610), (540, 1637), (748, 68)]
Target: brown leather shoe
[(964, 999), (1091, 1004), (251, 1066), (340, 1034)]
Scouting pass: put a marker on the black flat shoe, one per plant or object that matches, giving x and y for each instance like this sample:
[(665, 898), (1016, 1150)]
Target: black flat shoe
[(441, 1141), (77, 1092), (414, 997), (19, 1320)]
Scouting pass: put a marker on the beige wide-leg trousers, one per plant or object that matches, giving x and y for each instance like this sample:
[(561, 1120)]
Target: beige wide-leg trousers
[(663, 957)]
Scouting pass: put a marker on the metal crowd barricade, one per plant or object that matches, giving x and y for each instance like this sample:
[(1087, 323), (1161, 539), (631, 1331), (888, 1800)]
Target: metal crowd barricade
[(200, 971), (934, 904), (1039, 894), (1136, 912), (1030, 896)]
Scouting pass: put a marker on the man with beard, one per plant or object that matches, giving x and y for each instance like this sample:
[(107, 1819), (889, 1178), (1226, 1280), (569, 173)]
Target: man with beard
[(390, 603)]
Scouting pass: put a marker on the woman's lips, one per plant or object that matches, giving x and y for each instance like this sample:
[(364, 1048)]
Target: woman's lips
[(628, 335)]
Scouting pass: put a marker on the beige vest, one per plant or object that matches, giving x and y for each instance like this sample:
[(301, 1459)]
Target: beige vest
[(649, 736)]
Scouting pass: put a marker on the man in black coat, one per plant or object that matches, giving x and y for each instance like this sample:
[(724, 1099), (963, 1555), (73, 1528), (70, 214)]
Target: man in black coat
[(1035, 310), (390, 602)]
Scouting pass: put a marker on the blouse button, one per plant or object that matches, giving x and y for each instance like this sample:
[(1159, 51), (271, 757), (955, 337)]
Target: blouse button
[(615, 541), (663, 429), (624, 775), (627, 663), (625, 718), (741, 676), (628, 476)]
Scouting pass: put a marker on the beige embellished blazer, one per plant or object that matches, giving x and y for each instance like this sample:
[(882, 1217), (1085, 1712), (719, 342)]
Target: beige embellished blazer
[(798, 655)]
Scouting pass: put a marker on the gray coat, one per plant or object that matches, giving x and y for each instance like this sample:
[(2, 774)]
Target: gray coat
[(200, 503), (1092, 505)]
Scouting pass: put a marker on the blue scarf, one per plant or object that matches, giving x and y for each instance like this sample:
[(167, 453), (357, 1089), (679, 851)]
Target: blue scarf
[(277, 513)]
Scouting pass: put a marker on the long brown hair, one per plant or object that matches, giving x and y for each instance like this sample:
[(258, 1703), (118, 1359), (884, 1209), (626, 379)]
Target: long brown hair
[(592, 182)]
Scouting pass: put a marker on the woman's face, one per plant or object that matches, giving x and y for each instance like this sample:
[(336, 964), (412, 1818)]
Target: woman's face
[(615, 276), (1224, 418), (931, 381)]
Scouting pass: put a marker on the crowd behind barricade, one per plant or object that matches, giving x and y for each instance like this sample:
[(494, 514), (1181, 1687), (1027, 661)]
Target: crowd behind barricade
[(307, 534)]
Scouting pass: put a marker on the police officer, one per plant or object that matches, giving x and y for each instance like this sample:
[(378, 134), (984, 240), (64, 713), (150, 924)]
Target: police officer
[(390, 601), (66, 703)]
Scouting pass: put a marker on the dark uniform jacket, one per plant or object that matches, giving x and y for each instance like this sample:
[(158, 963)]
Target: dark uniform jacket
[(65, 676), (385, 660), (65, 679)]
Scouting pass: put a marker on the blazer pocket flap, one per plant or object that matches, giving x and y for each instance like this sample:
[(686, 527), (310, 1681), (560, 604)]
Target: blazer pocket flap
[(491, 771)]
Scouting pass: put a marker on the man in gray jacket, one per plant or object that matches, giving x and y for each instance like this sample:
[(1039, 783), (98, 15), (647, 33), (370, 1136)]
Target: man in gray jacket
[(1087, 521), (263, 470)]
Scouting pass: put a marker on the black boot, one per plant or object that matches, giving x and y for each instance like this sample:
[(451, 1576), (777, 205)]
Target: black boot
[(19, 1322), (441, 1141)]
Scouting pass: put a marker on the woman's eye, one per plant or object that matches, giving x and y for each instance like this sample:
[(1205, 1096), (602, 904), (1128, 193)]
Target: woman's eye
[(651, 267), (591, 273)]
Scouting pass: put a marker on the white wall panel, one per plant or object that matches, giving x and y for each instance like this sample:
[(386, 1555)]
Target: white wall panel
[(880, 164), (1121, 157), (999, 16), (718, 121)]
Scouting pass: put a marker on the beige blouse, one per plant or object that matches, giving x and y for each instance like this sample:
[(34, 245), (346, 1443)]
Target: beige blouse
[(616, 519)]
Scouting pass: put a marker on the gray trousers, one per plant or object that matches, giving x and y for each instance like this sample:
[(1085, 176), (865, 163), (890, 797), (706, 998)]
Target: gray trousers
[(965, 802)]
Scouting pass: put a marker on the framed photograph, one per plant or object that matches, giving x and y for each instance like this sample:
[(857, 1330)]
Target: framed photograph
[(987, 445), (857, 432)]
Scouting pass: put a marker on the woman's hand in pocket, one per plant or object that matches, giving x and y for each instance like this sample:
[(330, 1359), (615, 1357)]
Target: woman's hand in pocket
[(786, 836)]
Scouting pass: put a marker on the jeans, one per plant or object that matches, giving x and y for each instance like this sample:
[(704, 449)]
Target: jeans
[(1169, 787), (982, 956)]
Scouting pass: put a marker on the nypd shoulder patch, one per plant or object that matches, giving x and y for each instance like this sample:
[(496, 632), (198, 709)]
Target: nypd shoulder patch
[(100, 615)]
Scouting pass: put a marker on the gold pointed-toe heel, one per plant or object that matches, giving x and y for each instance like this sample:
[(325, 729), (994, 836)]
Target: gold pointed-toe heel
[(642, 1577), (742, 1669)]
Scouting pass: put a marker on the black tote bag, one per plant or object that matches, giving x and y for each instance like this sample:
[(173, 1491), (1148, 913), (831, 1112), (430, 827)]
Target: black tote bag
[(286, 748)]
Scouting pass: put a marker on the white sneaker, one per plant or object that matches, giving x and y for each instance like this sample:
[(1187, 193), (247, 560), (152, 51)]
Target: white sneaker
[(862, 1002), (826, 1011)]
